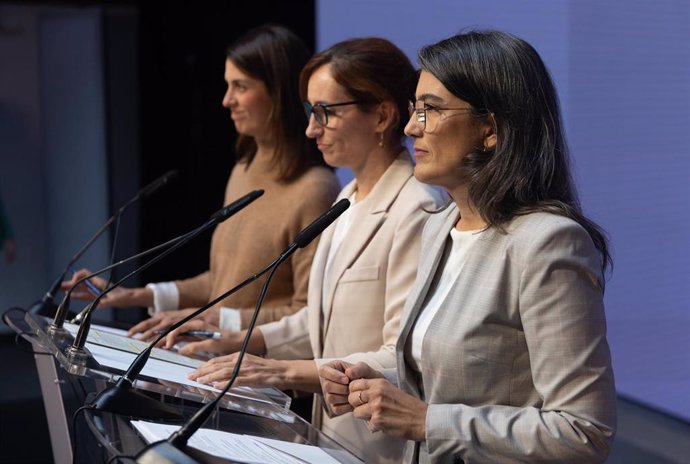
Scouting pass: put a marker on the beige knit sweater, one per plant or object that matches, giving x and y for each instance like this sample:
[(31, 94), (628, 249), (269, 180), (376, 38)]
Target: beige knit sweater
[(255, 236)]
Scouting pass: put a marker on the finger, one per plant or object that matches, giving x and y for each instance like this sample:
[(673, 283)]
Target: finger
[(372, 428), (358, 398), (216, 376), (142, 326), (359, 384), (341, 409), (359, 371), (153, 333), (195, 347), (362, 412), (334, 388), (204, 369), (330, 373), (79, 294)]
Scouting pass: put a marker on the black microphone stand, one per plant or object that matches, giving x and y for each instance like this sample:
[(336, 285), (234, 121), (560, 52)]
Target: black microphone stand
[(63, 307), (123, 399), (46, 305), (175, 448), (76, 351)]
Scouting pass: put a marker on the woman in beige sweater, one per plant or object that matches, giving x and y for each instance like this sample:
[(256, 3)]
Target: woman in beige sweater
[(261, 71)]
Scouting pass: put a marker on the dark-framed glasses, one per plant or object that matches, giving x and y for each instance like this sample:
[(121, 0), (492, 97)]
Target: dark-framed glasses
[(428, 116), (322, 110)]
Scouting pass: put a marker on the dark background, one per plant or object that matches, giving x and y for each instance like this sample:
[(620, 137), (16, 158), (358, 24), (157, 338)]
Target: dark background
[(180, 49)]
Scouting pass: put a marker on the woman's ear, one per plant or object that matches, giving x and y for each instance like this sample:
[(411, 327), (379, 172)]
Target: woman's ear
[(388, 116), (489, 133)]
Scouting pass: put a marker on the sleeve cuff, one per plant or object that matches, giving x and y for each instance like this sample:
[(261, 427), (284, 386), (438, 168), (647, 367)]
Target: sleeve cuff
[(230, 319), (166, 297)]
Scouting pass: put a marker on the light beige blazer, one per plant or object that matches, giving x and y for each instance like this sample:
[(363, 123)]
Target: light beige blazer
[(515, 365), (369, 280)]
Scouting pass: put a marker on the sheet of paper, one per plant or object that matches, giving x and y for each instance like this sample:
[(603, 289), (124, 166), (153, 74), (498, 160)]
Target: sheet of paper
[(165, 371), (155, 368), (114, 338), (244, 448)]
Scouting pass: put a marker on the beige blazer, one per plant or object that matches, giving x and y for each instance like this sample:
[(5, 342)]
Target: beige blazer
[(515, 365), (369, 280)]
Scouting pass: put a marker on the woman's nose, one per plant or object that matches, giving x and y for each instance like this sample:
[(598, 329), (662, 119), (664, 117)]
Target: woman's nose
[(313, 128), (229, 100)]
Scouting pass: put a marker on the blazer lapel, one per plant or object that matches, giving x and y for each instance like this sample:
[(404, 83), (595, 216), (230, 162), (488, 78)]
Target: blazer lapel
[(367, 218), (315, 315), (432, 251)]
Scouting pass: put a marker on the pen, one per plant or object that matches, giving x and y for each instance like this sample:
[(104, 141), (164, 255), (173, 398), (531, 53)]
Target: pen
[(201, 334), (95, 291), (196, 333)]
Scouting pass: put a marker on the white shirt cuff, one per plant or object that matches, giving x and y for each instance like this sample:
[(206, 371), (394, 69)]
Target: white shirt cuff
[(166, 297), (230, 319)]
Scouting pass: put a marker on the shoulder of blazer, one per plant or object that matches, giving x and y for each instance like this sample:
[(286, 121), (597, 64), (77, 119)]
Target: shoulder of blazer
[(438, 223), (391, 183)]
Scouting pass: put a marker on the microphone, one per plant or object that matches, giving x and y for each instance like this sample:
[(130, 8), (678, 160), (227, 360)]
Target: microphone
[(77, 348), (223, 212), (47, 304), (177, 442)]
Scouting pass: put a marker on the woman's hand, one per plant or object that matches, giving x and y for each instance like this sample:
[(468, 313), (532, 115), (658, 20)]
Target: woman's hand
[(159, 321), (117, 298), (388, 409), (229, 342), (255, 372), (195, 324), (335, 377)]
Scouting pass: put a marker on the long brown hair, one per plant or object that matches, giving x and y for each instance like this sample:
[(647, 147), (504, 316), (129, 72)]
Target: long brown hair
[(275, 55)]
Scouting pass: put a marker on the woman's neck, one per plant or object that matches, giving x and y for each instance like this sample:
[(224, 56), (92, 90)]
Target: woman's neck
[(375, 165), (265, 151), (470, 219)]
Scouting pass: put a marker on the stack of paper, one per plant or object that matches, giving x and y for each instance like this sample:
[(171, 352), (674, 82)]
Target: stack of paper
[(242, 448)]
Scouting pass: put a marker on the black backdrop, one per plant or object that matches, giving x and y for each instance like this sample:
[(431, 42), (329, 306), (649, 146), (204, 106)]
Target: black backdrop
[(183, 125)]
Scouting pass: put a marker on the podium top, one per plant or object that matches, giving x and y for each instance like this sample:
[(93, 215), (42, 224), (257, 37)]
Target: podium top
[(159, 376)]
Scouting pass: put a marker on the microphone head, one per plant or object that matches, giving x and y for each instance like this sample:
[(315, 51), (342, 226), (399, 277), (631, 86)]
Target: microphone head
[(165, 179), (227, 211), (310, 232)]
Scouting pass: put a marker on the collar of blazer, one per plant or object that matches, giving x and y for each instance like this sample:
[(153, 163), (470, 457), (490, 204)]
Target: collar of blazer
[(432, 250), (367, 219)]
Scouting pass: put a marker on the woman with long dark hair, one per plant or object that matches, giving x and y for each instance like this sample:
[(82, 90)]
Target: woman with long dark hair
[(502, 354), (262, 73)]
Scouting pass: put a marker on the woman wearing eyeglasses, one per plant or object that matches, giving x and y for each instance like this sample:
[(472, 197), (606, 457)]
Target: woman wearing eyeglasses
[(356, 95), (261, 70), (502, 355)]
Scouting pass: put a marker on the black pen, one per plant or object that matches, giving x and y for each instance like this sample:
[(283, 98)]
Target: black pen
[(95, 291), (195, 333)]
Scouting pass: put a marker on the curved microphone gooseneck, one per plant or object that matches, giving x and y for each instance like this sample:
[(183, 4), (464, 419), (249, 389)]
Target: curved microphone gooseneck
[(77, 348), (46, 305), (63, 307)]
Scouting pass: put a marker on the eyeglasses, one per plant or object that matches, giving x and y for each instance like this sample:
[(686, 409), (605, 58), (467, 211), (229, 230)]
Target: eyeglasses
[(428, 116), (322, 110)]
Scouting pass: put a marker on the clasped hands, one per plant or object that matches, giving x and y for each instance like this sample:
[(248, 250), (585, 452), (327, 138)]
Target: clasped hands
[(362, 390)]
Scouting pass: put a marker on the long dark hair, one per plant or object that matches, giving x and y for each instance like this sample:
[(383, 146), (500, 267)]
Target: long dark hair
[(504, 79), (370, 69), (275, 55)]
